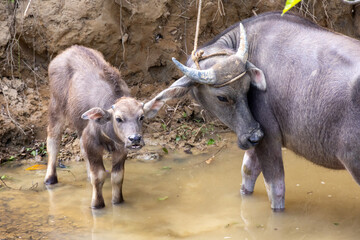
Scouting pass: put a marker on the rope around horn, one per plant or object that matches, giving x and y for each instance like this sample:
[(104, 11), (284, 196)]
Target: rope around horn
[(198, 56)]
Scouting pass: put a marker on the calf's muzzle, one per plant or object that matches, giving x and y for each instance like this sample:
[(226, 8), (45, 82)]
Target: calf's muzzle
[(136, 141)]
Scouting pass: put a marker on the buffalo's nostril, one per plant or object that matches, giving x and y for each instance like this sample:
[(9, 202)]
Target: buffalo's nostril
[(135, 138), (256, 137)]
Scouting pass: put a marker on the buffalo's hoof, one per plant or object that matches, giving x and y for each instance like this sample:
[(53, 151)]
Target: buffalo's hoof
[(51, 180), (117, 202), (278, 209), (244, 191)]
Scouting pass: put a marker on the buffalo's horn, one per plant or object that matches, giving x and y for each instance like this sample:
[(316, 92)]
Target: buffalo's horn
[(200, 76), (242, 52)]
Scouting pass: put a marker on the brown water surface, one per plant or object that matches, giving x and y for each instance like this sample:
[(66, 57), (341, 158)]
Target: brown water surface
[(177, 198)]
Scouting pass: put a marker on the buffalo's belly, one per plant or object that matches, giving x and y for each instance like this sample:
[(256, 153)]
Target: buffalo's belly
[(314, 152)]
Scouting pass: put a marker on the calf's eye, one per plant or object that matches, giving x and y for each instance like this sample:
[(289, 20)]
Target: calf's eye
[(222, 99), (141, 118), (119, 120)]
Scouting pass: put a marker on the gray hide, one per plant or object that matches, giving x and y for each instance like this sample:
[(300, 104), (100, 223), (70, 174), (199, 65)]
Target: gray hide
[(311, 104)]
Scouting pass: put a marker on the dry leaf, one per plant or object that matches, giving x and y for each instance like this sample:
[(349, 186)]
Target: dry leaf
[(36, 167), (210, 160)]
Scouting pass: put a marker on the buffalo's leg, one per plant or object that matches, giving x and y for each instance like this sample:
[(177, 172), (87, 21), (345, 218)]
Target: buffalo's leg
[(269, 155), (349, 151), (117, 176), (351, 161), (250, 171), (354, 169), (54, 132)]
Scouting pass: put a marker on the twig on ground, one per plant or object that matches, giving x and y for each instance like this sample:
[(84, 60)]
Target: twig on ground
[(172, 116), (71, 173), (27, 7), (220, 10), (34, 186), (5, 184), (212, 158)]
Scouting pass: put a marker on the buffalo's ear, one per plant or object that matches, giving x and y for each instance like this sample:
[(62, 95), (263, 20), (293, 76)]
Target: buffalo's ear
[(99, 115), (178, 89), (257, 76)]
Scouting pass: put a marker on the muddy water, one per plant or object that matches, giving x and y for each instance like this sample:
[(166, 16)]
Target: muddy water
[(181, 198)]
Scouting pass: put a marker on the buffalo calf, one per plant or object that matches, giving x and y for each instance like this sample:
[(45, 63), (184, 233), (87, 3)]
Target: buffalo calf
[(89, 94)]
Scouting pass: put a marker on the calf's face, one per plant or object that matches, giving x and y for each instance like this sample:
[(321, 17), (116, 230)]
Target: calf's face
[(126, 117)]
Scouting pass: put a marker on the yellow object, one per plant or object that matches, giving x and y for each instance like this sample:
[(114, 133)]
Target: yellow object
[(289, 4), (36, 167)]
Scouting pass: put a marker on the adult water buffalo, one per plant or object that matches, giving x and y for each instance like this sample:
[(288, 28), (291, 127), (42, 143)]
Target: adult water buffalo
[(309, 102)]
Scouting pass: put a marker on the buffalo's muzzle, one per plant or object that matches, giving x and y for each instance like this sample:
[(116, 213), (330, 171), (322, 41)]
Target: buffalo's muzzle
[(136, 141), (255, 137), (247, 141)]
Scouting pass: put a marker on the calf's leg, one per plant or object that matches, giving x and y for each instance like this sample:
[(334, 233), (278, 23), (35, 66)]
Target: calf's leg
[(250, 171), (54, 129), (117, 176), (97, 178), (83, 153), (93, 155)]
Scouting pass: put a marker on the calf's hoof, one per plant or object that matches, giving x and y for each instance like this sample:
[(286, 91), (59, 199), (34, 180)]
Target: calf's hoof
[(244, 191), (98, 206), (51, 180)]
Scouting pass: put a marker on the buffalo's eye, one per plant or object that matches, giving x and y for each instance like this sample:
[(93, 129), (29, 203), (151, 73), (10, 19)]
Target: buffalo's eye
[(222, 99), (141, 118), (119, 120)]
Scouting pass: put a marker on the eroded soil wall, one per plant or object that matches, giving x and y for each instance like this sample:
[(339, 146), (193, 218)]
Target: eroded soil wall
[(137, 36)]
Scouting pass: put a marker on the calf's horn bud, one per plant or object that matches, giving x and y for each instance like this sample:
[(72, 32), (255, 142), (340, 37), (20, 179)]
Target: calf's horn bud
[(200, 76)]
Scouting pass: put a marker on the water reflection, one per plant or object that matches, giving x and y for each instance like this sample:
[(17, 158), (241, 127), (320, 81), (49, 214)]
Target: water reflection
[(177, 198)]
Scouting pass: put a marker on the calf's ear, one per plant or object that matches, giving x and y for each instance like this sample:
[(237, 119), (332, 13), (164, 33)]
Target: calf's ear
[(257, 76), (178, 89), (99, 115)]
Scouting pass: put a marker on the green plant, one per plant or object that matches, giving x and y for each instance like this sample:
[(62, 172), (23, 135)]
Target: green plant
[(40, 150), (165, 150), (211, 141)]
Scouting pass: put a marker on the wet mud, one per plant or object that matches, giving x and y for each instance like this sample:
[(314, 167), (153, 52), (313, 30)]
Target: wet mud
[(181, 197)]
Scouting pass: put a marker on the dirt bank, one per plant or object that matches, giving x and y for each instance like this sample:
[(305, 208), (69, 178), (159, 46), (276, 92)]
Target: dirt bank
[(139, 37)]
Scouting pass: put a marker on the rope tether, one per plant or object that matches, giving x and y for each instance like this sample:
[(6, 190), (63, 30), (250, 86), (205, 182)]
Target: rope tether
[(198, 56)]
